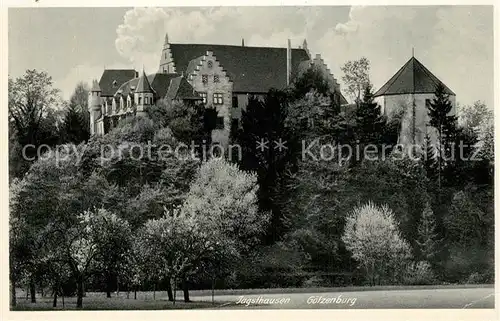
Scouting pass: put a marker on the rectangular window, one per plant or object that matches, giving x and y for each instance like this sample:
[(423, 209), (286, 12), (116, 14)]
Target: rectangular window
[(235, 102), (204, 79), (216, 78), (204, 97), (218, 99), (140, 100), (427, 102), (219, 123)]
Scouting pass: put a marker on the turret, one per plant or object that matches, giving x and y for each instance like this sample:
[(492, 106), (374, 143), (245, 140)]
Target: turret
[(143, 95), (95, 106)]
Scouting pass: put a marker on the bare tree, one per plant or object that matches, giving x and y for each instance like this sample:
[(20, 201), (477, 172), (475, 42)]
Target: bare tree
[(356, 77)]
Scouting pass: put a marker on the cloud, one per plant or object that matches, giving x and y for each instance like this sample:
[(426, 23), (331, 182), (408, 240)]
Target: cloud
[(82, 72), (141, 35), (455, 43)]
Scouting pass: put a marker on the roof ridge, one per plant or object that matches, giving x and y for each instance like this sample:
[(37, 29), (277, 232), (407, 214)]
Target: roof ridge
[(237, 46)]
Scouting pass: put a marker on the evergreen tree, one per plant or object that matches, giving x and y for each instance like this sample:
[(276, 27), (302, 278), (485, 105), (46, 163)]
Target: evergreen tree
[(262, 127), (370, 123), (439, 111), (369, 120), (73, 126), (76, 123), (427, 235)]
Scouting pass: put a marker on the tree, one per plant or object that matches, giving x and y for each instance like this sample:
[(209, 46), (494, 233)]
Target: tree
[(439, 111), (372, 236), (470, 233), (264, 121), (32, 118), (356, 77), (310, 80), (427, 241), (429, 158), (486, 143), (30, 99), (472, 116), (370, 123), (76, 123), (312, 209), (73, 126), (113, 237), (176, 244), (189, 123), (224, 199)]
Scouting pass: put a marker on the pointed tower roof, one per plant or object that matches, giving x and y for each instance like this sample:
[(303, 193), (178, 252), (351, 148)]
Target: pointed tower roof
[(95, 86), (143, 85), (413, 77)]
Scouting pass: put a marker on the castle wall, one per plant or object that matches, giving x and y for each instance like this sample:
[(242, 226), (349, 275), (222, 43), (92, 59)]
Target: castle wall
[(392, 105)]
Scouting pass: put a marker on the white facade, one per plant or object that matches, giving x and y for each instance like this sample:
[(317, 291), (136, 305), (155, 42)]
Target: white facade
[(393, 105)]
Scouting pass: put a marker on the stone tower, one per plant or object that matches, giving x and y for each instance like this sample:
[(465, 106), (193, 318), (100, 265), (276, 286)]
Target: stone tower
[(95, 107), (143, 95)]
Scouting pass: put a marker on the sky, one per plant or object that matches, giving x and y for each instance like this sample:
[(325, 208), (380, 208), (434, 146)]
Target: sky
[(76, 44)]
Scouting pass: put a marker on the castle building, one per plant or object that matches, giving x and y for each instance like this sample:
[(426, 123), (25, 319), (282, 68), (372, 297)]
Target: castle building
[(218, 76), (407, 94)]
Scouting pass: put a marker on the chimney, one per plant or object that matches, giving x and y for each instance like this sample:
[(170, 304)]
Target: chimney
[(136, 74), (304, 44), (242, 42), (288, 62)]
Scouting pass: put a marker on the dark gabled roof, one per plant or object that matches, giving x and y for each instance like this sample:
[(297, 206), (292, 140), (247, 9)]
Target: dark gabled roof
[(413, 77), (143, 85), (180, 89), (185, 90), (252, 69), (117, 76), (159, 82)]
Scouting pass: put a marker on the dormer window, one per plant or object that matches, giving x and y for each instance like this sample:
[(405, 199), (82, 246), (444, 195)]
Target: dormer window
[(115, 83)]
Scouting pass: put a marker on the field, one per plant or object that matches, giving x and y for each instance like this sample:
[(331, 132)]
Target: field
[(451, 296)]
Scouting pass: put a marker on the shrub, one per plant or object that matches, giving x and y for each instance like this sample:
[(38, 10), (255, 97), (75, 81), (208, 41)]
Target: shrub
[(418, 273), (480, 278), (372, 236)]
